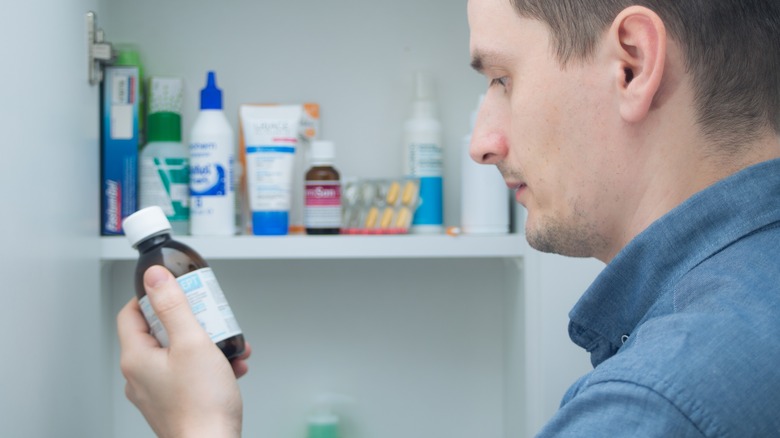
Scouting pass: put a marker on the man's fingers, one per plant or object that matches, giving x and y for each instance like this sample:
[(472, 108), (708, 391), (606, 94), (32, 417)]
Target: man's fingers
[(132, 330), (134, 339), (240, 367), (171, 306)]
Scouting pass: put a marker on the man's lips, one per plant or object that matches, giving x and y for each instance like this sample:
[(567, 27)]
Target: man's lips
[(518, 188), (515, 186)]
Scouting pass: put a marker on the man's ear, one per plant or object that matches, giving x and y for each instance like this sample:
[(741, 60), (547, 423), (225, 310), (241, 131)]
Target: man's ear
[(638, 42)]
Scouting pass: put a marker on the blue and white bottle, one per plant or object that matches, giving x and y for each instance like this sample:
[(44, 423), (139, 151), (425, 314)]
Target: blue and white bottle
[(212, 157), (423, 158)]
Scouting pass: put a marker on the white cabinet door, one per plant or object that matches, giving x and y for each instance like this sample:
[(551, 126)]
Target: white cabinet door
[(53, 377), (554, 284)]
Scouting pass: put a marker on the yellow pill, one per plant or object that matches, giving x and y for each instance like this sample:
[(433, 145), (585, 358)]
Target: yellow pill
[(409, 191), (392, 192), (387, 217), (403, 218), (373, 213)]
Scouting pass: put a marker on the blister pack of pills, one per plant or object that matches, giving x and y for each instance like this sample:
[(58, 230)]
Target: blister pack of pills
[(379, 206)]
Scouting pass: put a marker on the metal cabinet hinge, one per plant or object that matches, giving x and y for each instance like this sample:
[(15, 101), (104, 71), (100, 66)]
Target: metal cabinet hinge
[(99, 52)]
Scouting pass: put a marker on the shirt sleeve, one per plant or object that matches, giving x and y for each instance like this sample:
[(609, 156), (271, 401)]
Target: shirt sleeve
[(619, 409)]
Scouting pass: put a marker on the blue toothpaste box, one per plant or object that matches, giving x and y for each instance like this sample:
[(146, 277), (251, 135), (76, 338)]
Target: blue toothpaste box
[(118, 147)]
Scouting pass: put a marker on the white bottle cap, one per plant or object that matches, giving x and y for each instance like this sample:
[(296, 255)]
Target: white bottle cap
[(322, 151), (145, 223)]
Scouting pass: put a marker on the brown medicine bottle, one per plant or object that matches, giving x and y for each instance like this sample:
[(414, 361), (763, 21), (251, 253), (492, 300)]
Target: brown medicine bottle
[(322, 209), (149, 231)]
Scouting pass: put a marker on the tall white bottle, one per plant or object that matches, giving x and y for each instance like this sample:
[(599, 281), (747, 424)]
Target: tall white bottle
[(484, 195), (423, 158), (212, 157)]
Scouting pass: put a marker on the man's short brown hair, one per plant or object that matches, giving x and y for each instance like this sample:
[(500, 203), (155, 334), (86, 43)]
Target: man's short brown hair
[(731, 50)]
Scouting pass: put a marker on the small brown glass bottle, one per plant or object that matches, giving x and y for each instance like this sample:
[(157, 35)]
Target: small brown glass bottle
[(149, 231), (322, 212)]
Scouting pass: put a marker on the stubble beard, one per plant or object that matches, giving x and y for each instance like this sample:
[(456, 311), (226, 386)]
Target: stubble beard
[(574, 237)]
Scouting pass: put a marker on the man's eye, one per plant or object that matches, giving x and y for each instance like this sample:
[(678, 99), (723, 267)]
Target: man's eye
[(499, 81)]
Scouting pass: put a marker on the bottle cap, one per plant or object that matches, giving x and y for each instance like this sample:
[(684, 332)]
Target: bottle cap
[(164, 126), (211, 96), (145, 223), (166, 94), (322, 151), (127, 54)]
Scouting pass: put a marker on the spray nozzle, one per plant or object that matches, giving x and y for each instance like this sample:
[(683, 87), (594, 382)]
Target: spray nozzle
[(423, 105), (423, 89), (211, 96)]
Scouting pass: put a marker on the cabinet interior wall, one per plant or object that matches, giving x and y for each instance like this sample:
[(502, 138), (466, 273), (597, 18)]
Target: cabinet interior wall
[(422, 346)]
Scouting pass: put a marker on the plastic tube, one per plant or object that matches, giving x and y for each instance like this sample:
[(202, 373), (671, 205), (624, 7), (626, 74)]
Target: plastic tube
[(271, 136)]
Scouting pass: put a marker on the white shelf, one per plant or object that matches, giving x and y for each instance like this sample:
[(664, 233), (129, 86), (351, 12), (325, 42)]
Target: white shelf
[(114, 248)]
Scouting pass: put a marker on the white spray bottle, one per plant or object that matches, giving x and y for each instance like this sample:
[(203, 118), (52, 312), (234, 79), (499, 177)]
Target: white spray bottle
[(484, 195), (423, 158)]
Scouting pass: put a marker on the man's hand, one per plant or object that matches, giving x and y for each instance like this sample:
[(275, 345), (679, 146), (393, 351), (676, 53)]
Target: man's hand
[(188, 389)]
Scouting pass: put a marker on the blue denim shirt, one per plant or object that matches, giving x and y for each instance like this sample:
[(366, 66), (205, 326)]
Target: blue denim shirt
[(683, 326)]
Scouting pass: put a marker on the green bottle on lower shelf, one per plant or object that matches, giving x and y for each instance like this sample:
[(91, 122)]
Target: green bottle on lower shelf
[(324, 423), (323, 429)]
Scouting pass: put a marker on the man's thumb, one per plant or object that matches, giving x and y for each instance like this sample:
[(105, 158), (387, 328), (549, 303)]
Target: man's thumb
[(171, 305)]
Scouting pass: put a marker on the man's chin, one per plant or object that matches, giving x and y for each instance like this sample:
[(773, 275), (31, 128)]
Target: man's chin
[(555, 238)]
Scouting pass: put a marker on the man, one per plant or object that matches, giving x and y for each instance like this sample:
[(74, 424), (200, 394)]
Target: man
[(644, 134)]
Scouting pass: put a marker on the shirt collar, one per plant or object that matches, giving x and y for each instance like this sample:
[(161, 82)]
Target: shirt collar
[(670, 247)]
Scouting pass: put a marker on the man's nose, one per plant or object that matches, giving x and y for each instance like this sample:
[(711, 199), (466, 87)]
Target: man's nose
[(488, 141)]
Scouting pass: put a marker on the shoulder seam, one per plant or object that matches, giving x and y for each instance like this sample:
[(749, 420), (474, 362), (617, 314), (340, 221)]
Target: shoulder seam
[(661, 395)]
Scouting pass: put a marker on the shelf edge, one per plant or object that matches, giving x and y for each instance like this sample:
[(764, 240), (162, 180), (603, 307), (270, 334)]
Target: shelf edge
[(115, 248)]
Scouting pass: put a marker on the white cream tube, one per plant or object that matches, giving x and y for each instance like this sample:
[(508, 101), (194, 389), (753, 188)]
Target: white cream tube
[(271, 137)]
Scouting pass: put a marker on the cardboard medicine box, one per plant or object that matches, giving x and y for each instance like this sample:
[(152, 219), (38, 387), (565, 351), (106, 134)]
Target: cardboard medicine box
[(118, 147)]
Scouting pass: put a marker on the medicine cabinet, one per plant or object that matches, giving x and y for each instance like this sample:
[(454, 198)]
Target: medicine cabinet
[(430, 336)]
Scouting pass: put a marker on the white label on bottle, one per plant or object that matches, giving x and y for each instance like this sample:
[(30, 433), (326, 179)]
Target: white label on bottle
[(207, 302), (212, 186), (425, 159), (322, 204)]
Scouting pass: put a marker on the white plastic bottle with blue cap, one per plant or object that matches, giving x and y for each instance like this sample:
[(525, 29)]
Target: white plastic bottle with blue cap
[(212, 157)]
